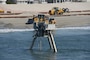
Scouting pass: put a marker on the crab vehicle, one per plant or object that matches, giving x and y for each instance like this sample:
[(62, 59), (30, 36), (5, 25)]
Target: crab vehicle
[(43, 27), (56, 11), (42, 23)]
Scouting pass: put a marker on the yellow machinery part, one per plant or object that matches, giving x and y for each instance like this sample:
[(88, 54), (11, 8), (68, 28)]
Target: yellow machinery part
[(1, 11), (52, 11), (52, 22), (46, 21), (60, 11), (36, 20), (41, 20)]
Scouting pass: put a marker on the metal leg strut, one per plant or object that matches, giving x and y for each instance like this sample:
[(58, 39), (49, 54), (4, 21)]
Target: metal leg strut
[(33, 42), (53, 42), (50, 42)]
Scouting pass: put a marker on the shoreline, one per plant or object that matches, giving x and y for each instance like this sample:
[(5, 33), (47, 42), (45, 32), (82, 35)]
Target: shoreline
[(6, 30), (68, 21)]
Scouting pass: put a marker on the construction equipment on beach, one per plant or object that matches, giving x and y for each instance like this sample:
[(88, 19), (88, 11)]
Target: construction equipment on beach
[(57, 11), (43, 27), (1, 11), (65, 9)]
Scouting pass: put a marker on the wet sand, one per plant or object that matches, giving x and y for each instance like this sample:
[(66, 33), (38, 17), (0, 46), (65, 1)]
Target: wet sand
[(65, 21), (14, 23), (73, 21)]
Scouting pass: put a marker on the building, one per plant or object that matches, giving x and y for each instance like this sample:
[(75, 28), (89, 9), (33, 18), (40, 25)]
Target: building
[(48, 1), (3, 1), (60, 1), (42, 1), (30, 1)]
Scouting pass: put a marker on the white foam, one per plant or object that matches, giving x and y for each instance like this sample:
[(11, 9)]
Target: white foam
[(21, 30), (84, 28), (14, 30)]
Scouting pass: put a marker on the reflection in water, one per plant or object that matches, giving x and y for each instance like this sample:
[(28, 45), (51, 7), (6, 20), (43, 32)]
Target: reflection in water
[(42, 55)]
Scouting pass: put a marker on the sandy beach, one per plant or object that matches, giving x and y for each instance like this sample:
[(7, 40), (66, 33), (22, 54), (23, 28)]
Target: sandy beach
[(72, 19), (65, 21)]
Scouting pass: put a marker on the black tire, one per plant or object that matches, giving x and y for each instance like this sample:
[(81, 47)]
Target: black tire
[(63, 9), (60, 13), (67, 10), (50, 12)]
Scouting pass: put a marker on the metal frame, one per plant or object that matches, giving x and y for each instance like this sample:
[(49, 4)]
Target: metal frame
[(50, 40)]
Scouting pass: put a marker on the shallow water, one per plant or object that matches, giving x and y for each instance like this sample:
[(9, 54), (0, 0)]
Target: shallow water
[(72, 44)]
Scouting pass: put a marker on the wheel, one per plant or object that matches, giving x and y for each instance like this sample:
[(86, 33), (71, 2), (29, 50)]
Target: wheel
[(63, 9), (67, 10), (50, 12), (60, 13)]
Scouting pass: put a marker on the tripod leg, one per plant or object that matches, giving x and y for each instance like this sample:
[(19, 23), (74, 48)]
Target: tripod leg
[(33, 42), (50, 43), (53, 42)]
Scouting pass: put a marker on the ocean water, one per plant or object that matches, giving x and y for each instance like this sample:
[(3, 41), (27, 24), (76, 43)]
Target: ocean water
[(72, 44)]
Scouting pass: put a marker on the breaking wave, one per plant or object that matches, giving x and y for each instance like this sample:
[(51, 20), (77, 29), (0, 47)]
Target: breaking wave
[(14, 30), (21, 30), (85, 28)]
